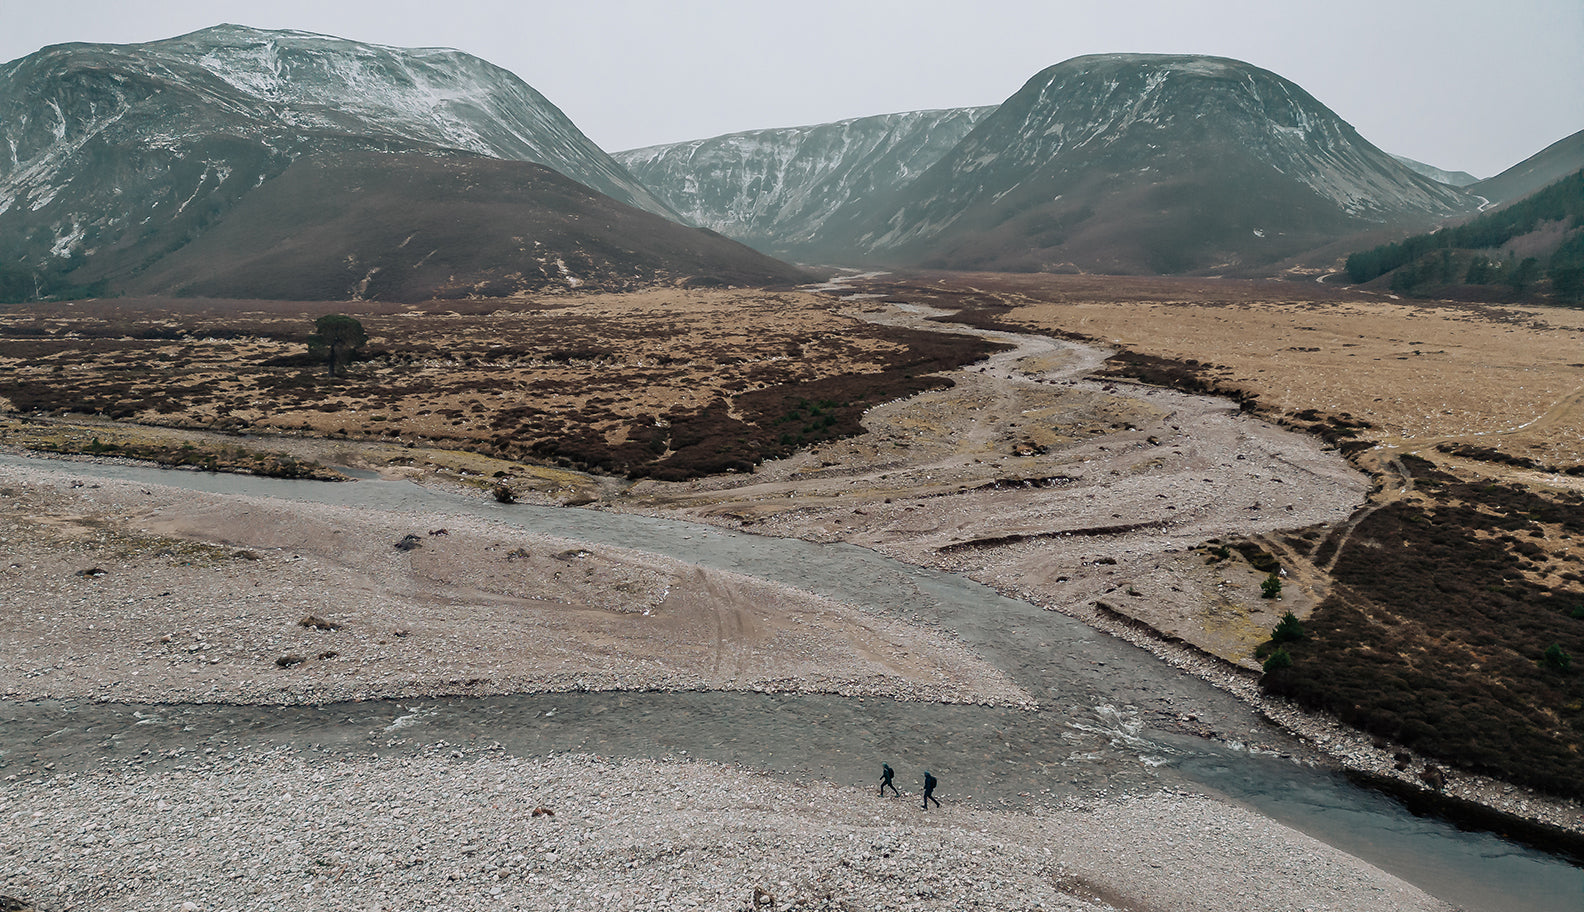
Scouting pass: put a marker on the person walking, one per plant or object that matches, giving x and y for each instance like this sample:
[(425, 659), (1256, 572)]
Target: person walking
[(929, 790), (886, 775)]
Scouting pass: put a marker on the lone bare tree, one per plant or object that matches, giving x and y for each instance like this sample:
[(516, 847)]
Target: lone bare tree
[(336, 338)]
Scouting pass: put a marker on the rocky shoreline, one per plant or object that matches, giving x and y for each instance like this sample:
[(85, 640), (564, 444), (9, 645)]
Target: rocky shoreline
[(1555, 824), (157, 595), (1081, 890)]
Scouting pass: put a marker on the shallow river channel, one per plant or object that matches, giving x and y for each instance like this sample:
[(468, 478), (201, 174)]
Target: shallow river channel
[(1108, 720)]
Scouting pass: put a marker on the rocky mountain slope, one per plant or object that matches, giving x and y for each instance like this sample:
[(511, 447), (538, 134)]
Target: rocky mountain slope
[(797, 191), (114, 158), (1152, 163), (410, 227)]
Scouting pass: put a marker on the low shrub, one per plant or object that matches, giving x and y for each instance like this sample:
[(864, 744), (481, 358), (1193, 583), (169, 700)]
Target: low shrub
[(1432, 630)]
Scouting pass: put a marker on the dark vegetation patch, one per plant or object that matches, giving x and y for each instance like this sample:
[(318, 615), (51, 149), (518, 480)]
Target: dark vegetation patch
[(771, 422), (1189, 376), (1013, 484), (1215, 551), (1258, 557), (210, 458), (1488, 454), (770, 411), (1489, 255), (1438, 626)]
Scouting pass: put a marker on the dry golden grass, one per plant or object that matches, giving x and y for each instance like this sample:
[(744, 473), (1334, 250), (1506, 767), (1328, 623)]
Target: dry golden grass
[(1421, 373)]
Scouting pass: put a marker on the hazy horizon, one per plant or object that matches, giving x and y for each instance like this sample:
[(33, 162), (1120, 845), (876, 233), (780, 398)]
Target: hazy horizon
[(1464, 86)]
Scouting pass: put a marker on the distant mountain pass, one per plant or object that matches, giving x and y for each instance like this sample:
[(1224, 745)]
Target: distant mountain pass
[(1455, 178), (1542, 169)]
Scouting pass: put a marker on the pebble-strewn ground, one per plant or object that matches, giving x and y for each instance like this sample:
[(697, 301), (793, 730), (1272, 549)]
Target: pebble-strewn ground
[(133, 593), (444, 830)]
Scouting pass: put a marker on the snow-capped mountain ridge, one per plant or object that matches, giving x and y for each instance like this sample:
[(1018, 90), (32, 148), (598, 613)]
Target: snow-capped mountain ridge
[(321, 84), (109, 145), (789, 190), (1158, 142), (1114, 162), (432, 95)]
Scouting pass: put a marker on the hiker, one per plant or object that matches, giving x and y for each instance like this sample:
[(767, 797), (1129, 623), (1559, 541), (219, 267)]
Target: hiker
[(886, 775), (929, 790)]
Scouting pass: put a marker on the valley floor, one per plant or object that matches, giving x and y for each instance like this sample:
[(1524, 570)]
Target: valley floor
[(1090, 497)]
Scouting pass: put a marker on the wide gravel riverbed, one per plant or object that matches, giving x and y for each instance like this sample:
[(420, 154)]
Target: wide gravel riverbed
[(1123, 789)]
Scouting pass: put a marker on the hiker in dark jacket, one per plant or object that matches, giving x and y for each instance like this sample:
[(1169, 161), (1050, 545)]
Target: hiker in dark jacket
[(929, 790), (886, 775)]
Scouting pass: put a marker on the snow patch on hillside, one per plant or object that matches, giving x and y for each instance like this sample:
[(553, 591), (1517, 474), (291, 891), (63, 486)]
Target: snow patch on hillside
[(66, 242)]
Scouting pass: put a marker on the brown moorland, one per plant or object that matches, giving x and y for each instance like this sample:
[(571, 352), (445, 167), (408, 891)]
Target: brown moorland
[(1510, 378), (668, 383)]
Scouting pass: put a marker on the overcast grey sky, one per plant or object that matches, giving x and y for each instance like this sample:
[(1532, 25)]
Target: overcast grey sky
[(1462, 85)]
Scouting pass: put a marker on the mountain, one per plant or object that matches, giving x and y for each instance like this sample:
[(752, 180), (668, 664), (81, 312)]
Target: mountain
[(411, 227), (118, 157), (798, 191), (1132, 163), (1542, 169), (1455, 178)]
